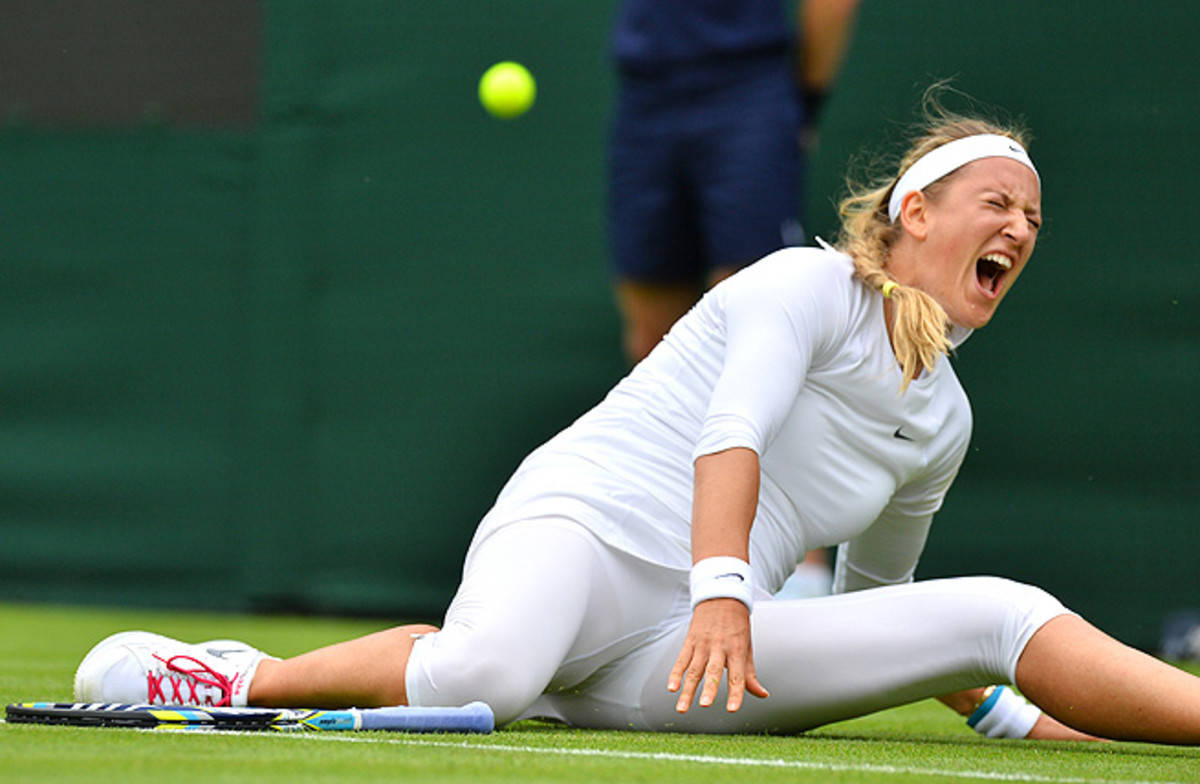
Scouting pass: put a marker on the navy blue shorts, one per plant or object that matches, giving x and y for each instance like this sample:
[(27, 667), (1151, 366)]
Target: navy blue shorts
[(705, 169)]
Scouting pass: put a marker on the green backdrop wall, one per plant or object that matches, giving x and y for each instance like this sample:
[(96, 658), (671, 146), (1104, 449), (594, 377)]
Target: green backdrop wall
[(285, 363)]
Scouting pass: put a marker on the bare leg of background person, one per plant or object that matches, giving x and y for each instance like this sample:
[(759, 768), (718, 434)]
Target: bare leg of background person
[(648, 310), (1088, 680), (719, 274)]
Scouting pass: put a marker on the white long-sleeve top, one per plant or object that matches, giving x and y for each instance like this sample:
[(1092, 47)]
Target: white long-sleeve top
[(790, 357)]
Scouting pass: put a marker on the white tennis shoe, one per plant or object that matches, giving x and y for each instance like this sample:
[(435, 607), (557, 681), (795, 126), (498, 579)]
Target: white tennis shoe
[(140, 667)]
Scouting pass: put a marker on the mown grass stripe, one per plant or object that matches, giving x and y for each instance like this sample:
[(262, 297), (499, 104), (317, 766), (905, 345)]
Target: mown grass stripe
[(703, 759)]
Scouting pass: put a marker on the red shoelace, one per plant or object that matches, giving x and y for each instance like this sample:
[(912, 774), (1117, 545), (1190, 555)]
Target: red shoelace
[(193, 677)]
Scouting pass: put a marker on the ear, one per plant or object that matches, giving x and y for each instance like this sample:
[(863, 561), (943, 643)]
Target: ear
[(914, 215)]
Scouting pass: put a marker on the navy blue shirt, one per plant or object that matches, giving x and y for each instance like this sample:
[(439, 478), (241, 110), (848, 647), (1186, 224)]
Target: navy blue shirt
[(650, 35)]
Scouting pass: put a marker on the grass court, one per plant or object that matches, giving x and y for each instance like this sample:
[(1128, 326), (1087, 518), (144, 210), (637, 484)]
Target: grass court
[(41, 645)]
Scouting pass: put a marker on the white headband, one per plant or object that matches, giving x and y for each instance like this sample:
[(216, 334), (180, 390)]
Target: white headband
[(940, 161)]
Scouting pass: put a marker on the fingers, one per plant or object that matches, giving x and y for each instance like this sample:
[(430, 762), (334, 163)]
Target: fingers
[(752, 683), (737, 683), (755, 687), (693, 667), (713, 646), (681, 663), (742, 679), (713, 671), (704, 673)]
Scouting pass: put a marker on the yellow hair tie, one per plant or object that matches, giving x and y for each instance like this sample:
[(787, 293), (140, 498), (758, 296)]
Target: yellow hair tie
[(888, 288)]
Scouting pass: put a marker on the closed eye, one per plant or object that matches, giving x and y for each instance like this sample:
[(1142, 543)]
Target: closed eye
[(1004, 202)]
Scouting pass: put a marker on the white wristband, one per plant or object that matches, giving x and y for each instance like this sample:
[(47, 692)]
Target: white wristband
[(1004, 714), (721, 577)]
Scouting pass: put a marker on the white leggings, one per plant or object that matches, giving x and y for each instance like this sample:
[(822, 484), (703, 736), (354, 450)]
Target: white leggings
[(549, 621)]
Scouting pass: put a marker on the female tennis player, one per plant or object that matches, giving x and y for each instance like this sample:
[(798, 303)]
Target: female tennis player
[(624, 574)]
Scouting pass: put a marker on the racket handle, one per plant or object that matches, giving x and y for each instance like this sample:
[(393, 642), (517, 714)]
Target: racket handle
[(472, 717)]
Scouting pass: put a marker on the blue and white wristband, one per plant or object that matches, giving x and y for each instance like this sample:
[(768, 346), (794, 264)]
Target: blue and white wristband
[(1003, 714), (721, 577)]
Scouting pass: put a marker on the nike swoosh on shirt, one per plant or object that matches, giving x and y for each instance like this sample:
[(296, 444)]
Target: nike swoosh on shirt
[(901, 436)]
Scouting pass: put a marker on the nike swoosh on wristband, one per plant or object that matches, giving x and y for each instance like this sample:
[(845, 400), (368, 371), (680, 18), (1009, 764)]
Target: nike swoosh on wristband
[(730, 574)]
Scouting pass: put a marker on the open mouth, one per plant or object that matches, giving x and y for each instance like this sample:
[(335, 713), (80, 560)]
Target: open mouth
[(990, 271)]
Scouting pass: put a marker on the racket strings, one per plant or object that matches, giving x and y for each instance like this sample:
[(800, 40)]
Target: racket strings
[(195, 674)]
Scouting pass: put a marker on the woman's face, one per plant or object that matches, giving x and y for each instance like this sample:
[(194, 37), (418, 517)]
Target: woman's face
[(978, 232)]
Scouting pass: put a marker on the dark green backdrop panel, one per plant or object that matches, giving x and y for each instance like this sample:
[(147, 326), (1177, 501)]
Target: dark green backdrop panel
[(289, 368), (121, 316), (450, 280)]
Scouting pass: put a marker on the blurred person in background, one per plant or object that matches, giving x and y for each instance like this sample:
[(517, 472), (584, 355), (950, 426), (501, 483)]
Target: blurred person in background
[(717, 108), (717, 104)]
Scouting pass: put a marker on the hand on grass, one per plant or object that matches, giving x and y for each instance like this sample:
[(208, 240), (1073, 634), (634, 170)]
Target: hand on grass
[(718, 639)]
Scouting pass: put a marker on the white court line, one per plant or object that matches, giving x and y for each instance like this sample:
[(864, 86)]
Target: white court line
[(699, 759), (703, 759)]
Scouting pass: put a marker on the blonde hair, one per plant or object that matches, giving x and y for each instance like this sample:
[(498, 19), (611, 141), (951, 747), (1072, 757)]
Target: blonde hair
[(919, 336)]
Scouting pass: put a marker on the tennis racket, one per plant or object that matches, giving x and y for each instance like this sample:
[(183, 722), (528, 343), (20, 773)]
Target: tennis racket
[(473, 717)]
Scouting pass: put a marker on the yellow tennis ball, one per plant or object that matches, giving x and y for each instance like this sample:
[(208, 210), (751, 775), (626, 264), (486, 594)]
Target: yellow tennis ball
[(507, 90)]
